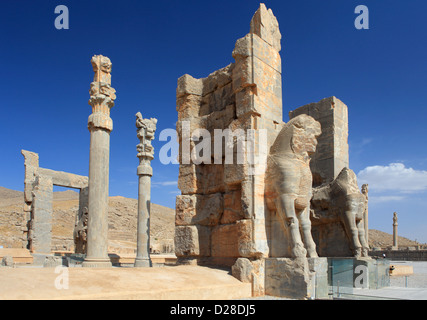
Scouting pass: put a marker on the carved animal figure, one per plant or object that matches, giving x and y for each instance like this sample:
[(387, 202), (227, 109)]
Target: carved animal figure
[(80, 231), (341, 200), (289, 181)]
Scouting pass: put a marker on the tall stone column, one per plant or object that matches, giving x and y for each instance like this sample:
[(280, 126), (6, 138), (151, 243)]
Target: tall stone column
[(145, 133), (100, 125), (395, 242)]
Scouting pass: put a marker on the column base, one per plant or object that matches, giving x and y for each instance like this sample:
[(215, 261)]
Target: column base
[(143, 263), (97, 263)]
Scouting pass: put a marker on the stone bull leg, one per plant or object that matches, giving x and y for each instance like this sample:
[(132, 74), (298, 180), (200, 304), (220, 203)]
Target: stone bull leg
[(305, 223), (362, 237), (352, 232), (286, 205), (353, 223)]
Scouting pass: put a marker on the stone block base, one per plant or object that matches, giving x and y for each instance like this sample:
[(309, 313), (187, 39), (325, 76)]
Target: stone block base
[(54, 261), (288, 277), (297, 278), (319, 268), (97, 263), (251, 271), (143, 263)]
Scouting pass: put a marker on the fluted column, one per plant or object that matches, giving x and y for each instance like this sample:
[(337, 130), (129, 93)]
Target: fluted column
[(145, 133), (100, 125)]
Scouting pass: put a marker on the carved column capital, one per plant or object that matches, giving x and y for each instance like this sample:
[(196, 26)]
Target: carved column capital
[(100, 120), (145, 133), (102, 95)]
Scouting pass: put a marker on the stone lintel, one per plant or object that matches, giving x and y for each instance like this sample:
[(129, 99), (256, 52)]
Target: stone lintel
[(65, 179)]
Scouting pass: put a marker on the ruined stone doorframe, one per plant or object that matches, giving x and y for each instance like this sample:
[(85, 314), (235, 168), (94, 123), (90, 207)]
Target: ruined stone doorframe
[(38, 196)]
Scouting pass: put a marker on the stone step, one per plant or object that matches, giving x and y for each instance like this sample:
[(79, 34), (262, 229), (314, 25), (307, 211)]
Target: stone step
[(156, 259), (19, 255)]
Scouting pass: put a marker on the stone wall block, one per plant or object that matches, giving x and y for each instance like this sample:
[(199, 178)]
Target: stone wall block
[(242, 270), (224, 241), (188, 106), (199, 209), (189, 85), (217, 79), (232, 207), (245, 238), (243, 74), (192, 241)]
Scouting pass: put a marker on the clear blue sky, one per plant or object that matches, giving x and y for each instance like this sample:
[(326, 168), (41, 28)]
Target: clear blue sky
[(380, 73)]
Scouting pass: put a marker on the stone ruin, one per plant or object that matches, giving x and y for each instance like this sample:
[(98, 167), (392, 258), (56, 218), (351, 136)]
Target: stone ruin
[(91, 226), (221, 213), (274, 213), (304, 202), (38, 196)]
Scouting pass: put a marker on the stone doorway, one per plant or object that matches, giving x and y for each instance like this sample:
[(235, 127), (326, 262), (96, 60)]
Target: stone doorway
[(39, 201), (64, 218)]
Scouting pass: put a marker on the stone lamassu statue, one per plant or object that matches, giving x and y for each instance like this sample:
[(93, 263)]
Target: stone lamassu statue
[(341, 200), (289, 181)]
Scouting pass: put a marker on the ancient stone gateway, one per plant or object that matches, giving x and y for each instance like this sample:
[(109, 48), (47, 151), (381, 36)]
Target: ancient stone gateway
[(230, 214), (38, 193)]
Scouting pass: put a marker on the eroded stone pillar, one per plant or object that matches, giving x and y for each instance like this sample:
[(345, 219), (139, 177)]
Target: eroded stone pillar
[(395, 242), (100, 125), (40, 237), (145, 133)]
